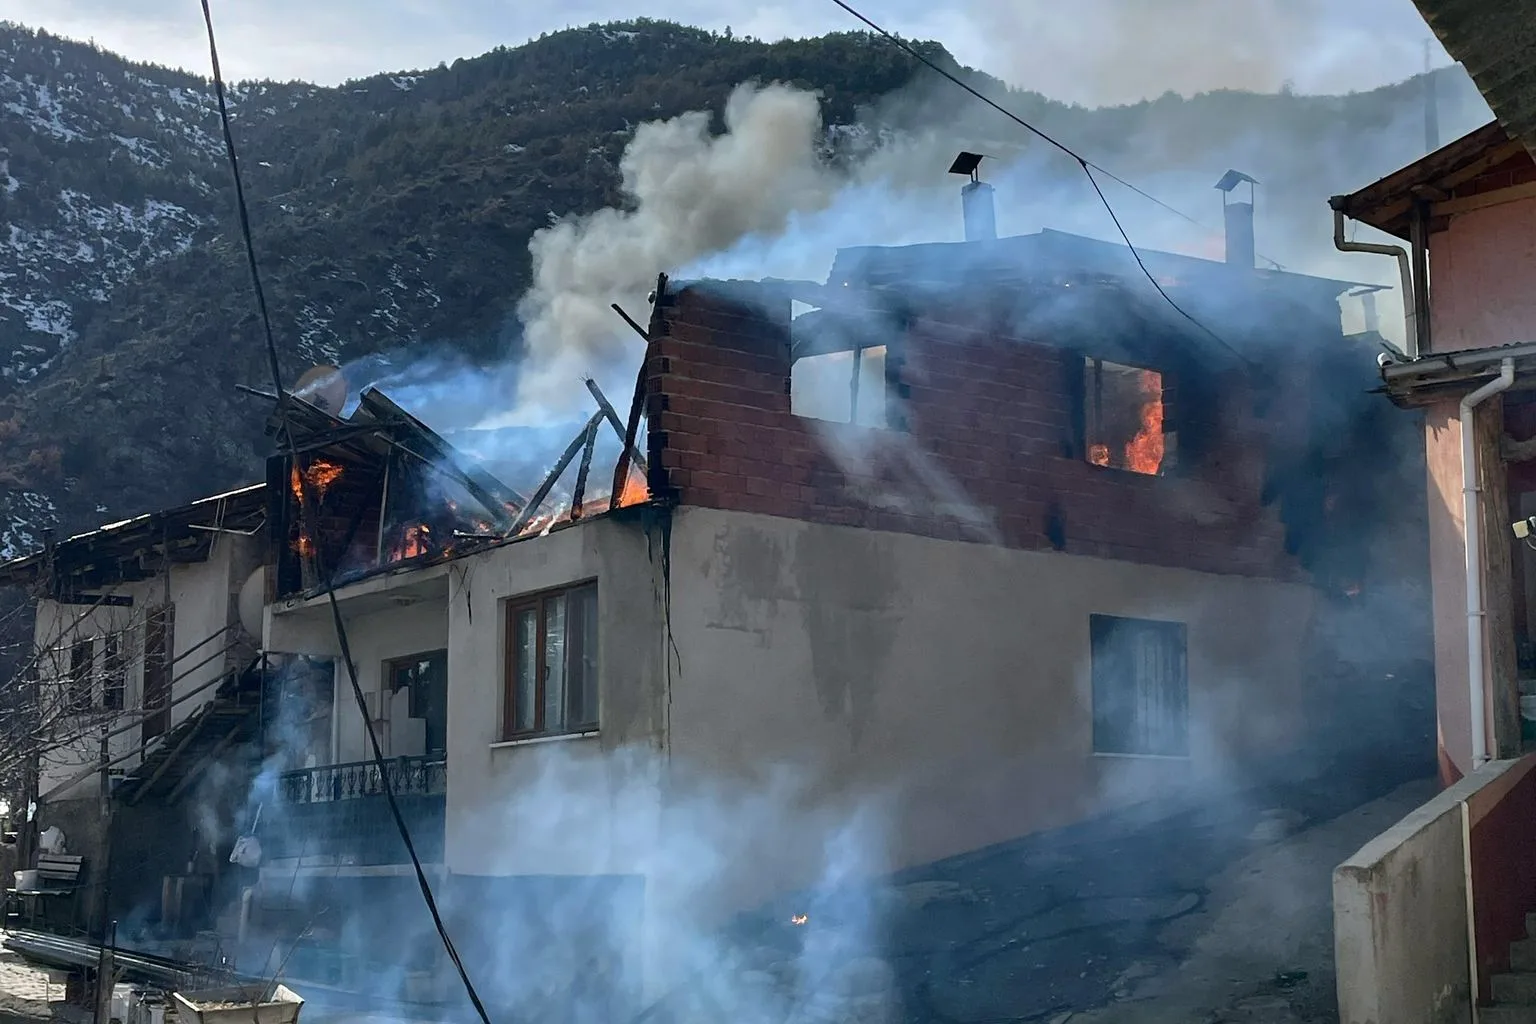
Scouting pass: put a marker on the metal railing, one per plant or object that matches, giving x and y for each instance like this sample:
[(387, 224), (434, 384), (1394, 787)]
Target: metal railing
[(408, 776)]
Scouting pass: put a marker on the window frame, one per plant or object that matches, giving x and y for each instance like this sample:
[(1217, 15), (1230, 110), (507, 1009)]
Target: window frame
[(538, 601), (114, 673), (1091, 399), (80, 679), (1176, 636), (415, 700)]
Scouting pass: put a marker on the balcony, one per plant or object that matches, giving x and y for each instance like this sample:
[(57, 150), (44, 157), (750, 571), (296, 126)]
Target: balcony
[(339, 812)]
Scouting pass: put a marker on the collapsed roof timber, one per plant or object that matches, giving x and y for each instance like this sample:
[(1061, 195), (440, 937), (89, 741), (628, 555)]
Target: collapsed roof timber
[(390, 493)]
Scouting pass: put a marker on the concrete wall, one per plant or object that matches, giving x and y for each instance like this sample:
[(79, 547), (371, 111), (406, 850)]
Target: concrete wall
[(572, 805), (1483, 265), (1401, 904), (944, 686), (203, 594)]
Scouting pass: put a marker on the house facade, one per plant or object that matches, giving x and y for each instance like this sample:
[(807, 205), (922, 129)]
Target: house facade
[(137, 637), (1466, 211), (954, 547)]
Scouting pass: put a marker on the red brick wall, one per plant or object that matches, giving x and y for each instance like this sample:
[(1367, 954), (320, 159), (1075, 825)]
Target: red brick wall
[(994, 418)]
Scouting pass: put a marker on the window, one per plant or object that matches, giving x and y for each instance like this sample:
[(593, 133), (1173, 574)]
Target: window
[(1123, 409), (159, 643), (81, 654), (1140, 687), (114, 675), (843, 387), (425, 676), (552, 663)]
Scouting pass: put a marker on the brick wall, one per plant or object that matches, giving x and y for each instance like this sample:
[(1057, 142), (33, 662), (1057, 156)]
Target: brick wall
[(985, 447)]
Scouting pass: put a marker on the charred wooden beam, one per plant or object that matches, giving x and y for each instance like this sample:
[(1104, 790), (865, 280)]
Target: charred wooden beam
[(579, 495), (617, 424), (528, 512)]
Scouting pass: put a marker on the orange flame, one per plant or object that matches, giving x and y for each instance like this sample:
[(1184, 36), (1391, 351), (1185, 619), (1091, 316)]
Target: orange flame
[(799, 919), (635, 490), (1144, 452), (320, 475), (1098, 454), (414, 542)]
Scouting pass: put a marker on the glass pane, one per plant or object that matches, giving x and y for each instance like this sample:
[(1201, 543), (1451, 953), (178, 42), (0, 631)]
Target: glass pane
[(554, 663), (525, 667), (583, 658)]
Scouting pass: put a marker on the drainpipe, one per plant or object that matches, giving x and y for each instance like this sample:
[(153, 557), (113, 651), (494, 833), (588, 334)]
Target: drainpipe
[(1472, 513), (1405, 272)]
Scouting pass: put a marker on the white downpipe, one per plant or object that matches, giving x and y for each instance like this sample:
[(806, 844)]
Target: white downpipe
[(1405, 274), (1471, 506)]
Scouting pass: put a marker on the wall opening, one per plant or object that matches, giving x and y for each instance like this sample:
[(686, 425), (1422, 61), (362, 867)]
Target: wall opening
[(551, 686), (1124, 418), (1140, 687), (841, 387)]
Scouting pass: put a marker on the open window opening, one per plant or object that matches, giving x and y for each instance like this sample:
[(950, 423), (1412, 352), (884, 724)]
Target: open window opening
[(842, 387), (1125, 418)]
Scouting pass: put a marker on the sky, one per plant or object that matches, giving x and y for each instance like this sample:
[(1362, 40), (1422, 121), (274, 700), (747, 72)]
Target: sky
[(1093, 52)]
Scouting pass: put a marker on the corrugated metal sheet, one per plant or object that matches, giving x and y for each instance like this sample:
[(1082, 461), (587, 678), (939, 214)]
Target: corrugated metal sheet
[(1496, 41)]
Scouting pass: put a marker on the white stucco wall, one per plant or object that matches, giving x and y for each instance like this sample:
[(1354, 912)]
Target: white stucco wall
[(202, 595)]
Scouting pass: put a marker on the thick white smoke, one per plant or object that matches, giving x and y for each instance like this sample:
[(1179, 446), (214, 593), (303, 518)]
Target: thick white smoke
[(691, 194)]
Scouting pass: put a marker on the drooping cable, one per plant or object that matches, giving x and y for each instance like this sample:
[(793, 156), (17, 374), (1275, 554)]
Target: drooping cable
[(307, 513), (1088, 167)]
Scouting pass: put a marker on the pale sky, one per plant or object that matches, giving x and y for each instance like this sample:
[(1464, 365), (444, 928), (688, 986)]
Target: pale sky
[(1086, 51)]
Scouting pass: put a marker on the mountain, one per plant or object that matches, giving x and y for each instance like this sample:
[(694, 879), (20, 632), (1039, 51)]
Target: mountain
[(394, 214)]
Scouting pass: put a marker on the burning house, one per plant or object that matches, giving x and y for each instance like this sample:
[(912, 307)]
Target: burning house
[(990, 536)]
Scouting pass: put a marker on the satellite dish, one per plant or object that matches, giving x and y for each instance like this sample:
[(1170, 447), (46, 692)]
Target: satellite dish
[(324, 387)]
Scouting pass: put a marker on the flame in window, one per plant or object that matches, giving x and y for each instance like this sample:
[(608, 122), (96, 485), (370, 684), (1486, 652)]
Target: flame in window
[(1144, 452)]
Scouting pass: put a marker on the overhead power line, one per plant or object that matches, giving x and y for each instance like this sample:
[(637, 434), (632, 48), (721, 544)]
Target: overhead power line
[(306, 511), (1088, 167)]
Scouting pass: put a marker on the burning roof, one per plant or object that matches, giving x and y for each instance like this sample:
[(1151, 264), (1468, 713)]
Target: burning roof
[(385, 490)]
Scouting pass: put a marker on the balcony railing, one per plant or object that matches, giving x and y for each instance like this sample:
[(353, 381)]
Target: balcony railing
[(408, 776)]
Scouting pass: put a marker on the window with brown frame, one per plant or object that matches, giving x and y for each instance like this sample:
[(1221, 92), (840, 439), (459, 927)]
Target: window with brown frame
[(114, 673), (551, 685), (81, 655)]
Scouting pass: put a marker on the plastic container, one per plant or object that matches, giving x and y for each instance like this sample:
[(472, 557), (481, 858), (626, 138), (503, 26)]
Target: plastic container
[(28, 880)]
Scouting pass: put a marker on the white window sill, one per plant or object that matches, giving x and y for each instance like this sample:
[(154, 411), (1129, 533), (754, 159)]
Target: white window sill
[(529, 741), (1142, 757)]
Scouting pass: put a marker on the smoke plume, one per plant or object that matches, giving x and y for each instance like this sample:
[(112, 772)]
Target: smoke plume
[(690, 194)]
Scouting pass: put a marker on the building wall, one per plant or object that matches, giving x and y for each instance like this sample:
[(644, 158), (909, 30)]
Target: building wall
[(988, 449), (1482, 266), (203, 595), (1448, 575), (375, 639), (945, 687)]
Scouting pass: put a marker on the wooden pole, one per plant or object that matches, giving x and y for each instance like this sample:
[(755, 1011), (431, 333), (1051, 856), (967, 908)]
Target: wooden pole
[(1498, 586)]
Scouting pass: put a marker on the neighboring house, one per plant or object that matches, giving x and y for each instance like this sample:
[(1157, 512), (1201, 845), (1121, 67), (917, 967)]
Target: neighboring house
[(1434, 918), (1468, 212), (137, 640)]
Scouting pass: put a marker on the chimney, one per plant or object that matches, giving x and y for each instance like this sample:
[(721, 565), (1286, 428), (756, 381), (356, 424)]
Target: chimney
[(1238, 218), (976, 204)]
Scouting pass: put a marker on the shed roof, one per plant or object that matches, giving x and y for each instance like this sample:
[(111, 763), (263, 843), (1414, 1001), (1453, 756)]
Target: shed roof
[(1495, 40)]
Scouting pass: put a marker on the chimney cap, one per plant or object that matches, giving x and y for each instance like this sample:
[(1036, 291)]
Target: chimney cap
[(1232, 179), (966, 163)]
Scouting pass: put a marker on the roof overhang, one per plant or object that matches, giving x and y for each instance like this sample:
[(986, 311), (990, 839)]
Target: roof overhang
[(1495, 40), (1449, 374), (117, 553), (1438, 179)]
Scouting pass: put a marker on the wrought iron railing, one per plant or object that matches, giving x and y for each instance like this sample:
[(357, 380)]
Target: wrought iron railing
[(408, 776)]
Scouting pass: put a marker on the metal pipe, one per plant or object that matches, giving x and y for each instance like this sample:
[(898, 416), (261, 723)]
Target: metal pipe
[(1471, 505), (1405, 274)]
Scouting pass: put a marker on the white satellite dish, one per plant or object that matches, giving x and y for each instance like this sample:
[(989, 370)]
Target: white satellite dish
[(324, 387)]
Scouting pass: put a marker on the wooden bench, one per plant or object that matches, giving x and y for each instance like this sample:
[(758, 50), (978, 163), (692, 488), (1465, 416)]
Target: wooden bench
[(58, 878)]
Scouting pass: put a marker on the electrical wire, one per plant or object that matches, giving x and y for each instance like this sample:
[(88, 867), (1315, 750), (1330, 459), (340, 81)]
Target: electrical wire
[(308, 518), (1088, 167)]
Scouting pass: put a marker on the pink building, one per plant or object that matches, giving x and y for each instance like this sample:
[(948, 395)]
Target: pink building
[(1468, 214)]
